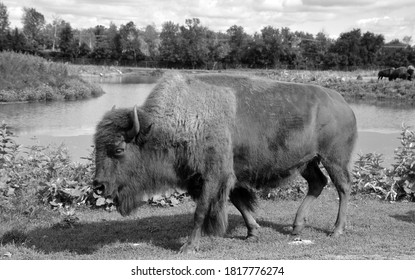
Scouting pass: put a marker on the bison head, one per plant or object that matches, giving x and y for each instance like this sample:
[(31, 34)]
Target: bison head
[(127, 170)]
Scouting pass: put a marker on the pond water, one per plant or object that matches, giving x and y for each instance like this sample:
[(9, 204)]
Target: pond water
[(73, 123)]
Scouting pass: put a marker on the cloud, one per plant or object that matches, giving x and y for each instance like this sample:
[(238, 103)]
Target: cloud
[(391, 18), (392, 27), (338, 3)]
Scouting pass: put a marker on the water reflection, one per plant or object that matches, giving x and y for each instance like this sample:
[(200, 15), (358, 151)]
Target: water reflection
[(382, 117), (71, 118)]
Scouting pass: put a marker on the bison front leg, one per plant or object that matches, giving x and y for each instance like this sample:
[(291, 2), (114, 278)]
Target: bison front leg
[(192, 244), (210, 215)]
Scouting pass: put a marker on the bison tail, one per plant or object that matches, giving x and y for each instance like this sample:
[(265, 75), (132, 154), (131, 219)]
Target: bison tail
[(245, 196)]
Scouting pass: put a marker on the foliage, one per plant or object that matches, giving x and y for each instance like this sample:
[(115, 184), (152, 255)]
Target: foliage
[(38, 175), (67, 44), (29, 78), (193, 45), (4, 20), (369, 176), (396, 183), (353, 84), (33, 23)]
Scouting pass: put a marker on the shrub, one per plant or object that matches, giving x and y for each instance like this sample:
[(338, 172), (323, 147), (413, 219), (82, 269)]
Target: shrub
[(36, 175), (31, 78), (396, 183)]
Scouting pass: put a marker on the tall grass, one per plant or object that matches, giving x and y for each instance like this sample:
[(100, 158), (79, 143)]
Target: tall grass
[(26, 77), (357, 84)]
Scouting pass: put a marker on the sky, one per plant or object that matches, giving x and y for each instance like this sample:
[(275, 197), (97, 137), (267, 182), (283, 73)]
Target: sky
[(394, 19)]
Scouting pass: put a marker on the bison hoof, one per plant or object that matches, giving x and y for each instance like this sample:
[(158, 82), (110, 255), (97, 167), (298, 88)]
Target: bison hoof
[(336, 233), (252, 238), (188, 249), (297, 229)]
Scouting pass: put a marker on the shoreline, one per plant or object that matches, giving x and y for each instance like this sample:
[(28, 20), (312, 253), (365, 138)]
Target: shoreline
[(357, 85)]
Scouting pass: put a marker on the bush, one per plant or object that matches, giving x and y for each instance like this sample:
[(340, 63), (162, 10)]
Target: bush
[(31, 78), (37, 175), (396, 183)]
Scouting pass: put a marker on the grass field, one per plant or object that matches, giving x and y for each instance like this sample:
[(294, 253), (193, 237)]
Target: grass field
[(376, 230)]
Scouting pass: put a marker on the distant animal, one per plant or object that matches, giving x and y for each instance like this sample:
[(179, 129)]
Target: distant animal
[(401, 73), (385, 73), (221, 136)]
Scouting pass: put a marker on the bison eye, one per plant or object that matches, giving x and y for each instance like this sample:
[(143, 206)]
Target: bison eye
[(119, 151)]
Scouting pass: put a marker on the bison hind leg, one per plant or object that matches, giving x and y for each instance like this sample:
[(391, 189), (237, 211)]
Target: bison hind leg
[(340, 177), (316, 181)]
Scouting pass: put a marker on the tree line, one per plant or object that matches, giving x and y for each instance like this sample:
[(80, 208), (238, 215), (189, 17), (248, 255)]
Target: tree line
[(193, 45)]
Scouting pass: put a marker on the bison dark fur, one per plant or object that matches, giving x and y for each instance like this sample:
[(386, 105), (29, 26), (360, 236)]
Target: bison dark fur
[(401, 73), (219, 136), (385, 73)]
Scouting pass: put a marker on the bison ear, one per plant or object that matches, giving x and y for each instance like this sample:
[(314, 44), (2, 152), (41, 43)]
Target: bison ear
[(146, 130), (132, 133), (140, 139)]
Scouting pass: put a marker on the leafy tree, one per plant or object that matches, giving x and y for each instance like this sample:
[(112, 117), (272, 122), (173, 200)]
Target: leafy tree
[(87, 37), (133, 46), (272, 41), (170, 43), (84, 50), (33, 23), (370, 44), (66, 42), (194, 43), (238, 43), (152, 39), (257, 54), (218, 47), (17, 41), (51, 33), (290, 54), (4, 27), (102, 48), (347, 46), (114, 41), (308, 46), (4, 19)]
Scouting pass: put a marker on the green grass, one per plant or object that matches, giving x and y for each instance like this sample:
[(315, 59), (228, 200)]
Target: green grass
[(30, 78), (346, 83), (376, 230)]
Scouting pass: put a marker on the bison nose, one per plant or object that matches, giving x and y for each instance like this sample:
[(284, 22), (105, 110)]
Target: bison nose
[(99, 187)]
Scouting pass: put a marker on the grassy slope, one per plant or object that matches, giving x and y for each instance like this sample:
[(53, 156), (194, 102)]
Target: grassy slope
[(31, 78), (376, 230)]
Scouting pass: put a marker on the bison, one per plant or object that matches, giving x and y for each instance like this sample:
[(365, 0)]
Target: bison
[(220, 137), (402, 73), (385, 73)]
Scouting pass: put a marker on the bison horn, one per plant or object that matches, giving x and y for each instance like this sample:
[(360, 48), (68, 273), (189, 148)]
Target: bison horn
[(136, 125)]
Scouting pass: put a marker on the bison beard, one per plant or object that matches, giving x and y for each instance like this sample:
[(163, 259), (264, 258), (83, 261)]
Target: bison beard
[(217, 136)]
